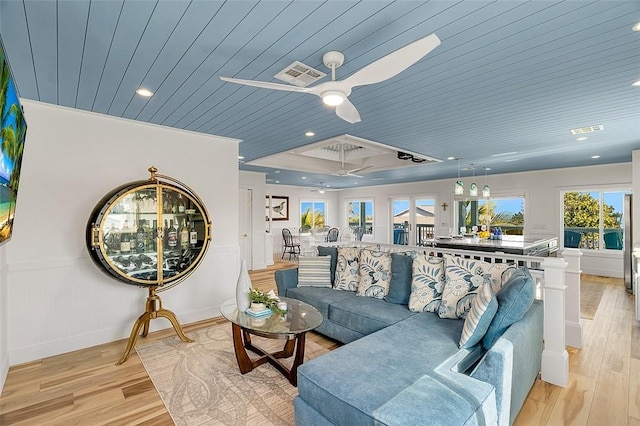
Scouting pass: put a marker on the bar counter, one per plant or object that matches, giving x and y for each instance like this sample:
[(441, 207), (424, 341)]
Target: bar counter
[(511, 244)]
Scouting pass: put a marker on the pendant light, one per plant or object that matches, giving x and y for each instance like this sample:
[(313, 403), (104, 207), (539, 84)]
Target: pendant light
[(459, 187), (486, 191), (473, 188)]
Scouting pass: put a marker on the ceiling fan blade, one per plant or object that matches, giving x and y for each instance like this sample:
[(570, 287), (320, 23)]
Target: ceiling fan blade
[(394, 63), (359, 169), (348, 112), (267, 85)]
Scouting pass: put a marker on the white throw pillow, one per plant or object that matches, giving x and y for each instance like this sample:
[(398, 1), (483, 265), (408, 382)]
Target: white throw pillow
[(375, 274), (427, 283)]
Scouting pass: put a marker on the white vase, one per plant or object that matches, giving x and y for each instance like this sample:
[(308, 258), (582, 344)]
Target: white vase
[(243, 286)]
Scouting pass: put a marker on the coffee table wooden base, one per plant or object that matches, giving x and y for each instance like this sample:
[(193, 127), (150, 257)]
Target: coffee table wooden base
[(242, 342)]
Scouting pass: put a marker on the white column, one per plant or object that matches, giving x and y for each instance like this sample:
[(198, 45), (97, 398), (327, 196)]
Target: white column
[(555, 359), (573, 323)]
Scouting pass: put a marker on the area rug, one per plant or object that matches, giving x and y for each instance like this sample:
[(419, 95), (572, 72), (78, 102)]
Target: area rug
[(590, 295), (200, 383)]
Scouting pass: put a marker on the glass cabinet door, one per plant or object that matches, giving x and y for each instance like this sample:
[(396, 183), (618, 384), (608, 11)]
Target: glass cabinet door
[(143, 228)]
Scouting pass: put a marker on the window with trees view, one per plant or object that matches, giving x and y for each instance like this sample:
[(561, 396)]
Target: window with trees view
[(593, 219), (312, 214), (506, 213), (360, 215)]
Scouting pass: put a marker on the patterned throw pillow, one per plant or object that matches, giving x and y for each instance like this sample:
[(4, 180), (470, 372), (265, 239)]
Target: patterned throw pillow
[(347, 274), (427, 283), (375, 274), (463, 278), (314, 271), (483, 310)]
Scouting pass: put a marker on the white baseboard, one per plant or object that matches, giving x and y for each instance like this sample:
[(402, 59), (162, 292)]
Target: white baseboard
[(60, 346), (4, 371)]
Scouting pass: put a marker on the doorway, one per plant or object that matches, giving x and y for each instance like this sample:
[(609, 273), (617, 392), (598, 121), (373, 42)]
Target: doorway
[(245, 217), (412, 220)]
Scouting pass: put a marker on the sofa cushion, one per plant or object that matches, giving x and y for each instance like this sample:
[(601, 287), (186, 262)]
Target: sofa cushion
[(319, 297), (366, 314), (375, 273), (347, 269), (333, 252), (376, 368), (427, 283), (514, 300), (314, 271), (463, 277), (401, 275), (483, 309)]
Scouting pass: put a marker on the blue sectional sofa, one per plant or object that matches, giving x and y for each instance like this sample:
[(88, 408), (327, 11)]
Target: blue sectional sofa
[(400, 367)]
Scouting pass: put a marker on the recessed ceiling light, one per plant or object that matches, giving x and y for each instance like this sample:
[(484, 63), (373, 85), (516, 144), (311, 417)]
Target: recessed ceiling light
[(636, 27), (595, 156), (309, 134), (583, 138), (304, 177), (636, 83), (277, 181), (451, 158), (240, 157), (144, 92)]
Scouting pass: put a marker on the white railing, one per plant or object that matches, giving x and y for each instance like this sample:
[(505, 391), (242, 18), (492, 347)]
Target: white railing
[(557, 281)]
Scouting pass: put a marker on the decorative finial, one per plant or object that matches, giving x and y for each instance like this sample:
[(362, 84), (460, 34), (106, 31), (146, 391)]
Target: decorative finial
[(153, 172)]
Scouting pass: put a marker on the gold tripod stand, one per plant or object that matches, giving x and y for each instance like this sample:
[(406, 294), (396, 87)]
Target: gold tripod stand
[(153, 310)]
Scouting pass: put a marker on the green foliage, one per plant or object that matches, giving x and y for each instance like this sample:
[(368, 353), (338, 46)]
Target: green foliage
[(309, 219), (259, 296), (581, 210)]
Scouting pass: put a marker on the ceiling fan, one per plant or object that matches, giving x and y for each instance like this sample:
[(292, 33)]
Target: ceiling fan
[(348, 172), (336, 92)]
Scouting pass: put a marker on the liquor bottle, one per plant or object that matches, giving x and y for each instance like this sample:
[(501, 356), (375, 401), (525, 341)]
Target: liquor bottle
[(184, 236), (181, 206), (193, 236), (153, 237), (125, 239), (172, 236), (165, 236), (140, 238)]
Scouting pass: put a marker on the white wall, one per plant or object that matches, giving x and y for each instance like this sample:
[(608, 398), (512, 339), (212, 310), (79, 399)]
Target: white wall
[(543, 203), (4, 346), (59, 300), (256, 182)]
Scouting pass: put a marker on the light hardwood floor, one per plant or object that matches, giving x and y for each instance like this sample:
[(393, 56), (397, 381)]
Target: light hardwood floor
[(86, 388)]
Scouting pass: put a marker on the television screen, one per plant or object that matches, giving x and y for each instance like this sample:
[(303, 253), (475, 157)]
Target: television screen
[(13, 129)]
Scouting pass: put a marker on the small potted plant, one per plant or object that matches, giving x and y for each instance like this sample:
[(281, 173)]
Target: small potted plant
[(261, 301)]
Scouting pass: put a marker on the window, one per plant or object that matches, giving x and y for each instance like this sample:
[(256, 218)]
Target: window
[(593, 219), (312, 214), (360, 215), (507, 213)]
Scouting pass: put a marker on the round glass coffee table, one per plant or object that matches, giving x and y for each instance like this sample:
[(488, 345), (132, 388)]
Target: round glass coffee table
[(292, 327)]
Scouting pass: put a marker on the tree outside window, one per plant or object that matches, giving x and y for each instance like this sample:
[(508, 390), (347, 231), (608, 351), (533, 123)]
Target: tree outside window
[(593, 219), (506, 213), (360, 215), (312, 214)]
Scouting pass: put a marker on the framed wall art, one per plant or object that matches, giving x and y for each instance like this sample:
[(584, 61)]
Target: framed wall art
[(277, 208)]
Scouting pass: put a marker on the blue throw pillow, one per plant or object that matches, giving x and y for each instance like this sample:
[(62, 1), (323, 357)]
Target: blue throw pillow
[(333, 252), (400, 286), (514, 300)]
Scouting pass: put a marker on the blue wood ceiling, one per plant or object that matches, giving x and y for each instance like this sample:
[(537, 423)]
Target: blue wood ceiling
[(509, 76)]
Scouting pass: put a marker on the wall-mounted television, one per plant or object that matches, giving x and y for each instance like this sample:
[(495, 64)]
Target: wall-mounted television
[(13, 129)]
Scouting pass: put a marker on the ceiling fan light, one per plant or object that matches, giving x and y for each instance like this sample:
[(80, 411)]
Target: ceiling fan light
[(332, 98)]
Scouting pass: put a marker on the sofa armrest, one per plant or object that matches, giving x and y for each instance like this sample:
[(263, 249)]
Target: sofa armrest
[(286, 279)]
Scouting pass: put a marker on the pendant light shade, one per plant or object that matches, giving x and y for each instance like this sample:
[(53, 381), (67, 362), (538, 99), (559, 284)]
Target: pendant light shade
[(459, 186), (486, 191), (473, 190)]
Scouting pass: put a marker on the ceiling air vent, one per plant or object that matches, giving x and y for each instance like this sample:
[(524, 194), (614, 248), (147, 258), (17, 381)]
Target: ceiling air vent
[(299, 74), (588, 129)]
